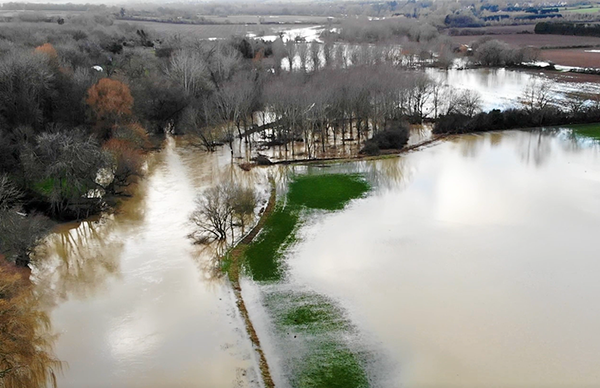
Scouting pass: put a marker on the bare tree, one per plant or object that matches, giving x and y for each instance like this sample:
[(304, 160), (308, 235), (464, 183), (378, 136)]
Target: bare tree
[(190, 70), (290, 47), (20, 234), (469, 103), (25, 84), (315, 50), (303, 55), (217, 210), (243, 201), (10, 194), (537, 98), (328, 53)]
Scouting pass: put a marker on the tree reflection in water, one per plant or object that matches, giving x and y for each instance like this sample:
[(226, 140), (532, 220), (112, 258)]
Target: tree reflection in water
[(78, 260)]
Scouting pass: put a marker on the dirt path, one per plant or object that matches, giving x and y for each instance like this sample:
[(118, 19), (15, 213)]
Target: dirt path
[(236, 255)]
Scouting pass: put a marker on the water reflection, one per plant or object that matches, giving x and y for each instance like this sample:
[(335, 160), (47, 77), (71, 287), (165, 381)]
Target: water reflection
[(135, 303), (502, 88), (477, 271), (84, 256)]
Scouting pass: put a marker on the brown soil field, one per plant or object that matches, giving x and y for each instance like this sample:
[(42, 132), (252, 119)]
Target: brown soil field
[(572, 77), (573, 57), (495, 30), (287, 19), (541, 41)]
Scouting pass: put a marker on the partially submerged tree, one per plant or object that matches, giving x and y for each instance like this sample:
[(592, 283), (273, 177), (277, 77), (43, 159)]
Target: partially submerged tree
[(220, 210)]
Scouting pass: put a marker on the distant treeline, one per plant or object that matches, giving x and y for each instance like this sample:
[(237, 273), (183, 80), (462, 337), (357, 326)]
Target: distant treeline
[(49, 7), (541, 16), (568, 28)]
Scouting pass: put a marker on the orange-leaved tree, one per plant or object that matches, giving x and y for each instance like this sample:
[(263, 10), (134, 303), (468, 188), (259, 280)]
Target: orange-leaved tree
[(110, 100), (47, 49)]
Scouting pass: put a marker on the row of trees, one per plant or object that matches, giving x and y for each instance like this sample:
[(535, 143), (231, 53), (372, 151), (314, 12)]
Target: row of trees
[(333, 106)]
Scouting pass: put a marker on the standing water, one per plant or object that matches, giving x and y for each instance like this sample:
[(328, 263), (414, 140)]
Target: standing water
[(472, 263), (135, 304)]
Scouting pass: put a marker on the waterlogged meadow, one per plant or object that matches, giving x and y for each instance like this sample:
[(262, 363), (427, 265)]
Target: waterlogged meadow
[(315, 326)]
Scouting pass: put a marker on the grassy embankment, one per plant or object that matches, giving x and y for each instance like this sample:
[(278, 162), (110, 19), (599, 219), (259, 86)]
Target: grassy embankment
[(326, 360)]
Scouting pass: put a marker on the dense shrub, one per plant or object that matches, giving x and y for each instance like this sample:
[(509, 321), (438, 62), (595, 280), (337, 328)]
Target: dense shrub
[(394, 136), (512, 119)]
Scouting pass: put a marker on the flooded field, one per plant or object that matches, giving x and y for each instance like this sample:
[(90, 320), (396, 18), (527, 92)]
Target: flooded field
[(468, 263), (503, 88)]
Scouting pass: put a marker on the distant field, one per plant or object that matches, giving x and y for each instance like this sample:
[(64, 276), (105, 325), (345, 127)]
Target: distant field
[(12, 13), (541, 41), (582, 10), (572, 57), (498, 30), (268, 19), (218, 31)]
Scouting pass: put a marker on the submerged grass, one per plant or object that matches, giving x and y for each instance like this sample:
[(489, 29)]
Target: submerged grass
[(332, 366), (327, 361), (587, 130), (324, 360), (324, 192)]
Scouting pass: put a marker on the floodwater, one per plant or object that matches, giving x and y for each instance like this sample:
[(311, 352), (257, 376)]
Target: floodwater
[(134, 303), (504, 88), (472, 263)]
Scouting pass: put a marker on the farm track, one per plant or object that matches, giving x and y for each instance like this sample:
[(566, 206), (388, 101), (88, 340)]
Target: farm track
[(236, 256)]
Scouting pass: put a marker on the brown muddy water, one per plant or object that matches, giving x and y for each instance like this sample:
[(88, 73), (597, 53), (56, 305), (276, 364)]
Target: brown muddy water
[(135, 304), (471, 263)]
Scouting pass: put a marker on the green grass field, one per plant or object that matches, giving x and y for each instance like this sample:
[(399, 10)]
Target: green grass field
[(594, 9), (587, 130)]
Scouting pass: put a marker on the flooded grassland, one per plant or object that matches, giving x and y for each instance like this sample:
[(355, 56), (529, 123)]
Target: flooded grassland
[(471, 263), (468, 263)]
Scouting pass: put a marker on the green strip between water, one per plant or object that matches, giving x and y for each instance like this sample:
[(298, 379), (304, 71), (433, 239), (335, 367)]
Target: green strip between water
[(328, 361)]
